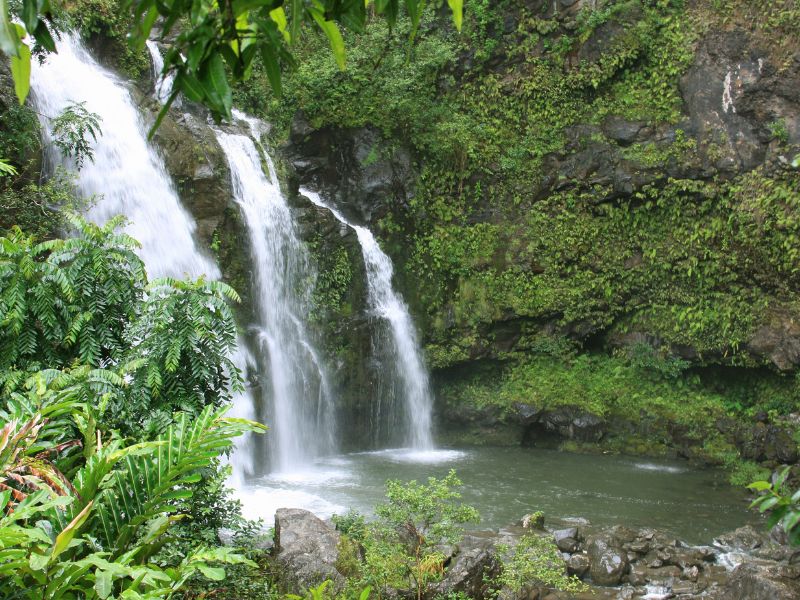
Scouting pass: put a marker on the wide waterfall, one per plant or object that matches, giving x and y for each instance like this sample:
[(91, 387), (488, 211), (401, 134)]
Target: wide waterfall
[(386, 303), (302, 412), (126, 177)]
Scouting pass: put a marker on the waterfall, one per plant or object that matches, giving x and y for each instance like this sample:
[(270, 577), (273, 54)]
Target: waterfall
[(127, 176), (387, 304), (302, 415), (162, 84)]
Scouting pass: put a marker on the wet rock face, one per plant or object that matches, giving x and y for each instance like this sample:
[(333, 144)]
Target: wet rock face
[(355, 169), (758, 582), (548, 428), (199, 168), (732, 94), (778, 340), (474, 562), (306, 548)]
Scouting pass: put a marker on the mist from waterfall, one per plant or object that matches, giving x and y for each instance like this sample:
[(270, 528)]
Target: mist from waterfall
[(385, 303), (301, 410)]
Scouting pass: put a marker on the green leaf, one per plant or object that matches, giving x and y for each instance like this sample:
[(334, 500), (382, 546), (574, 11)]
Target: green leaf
[(68, 533), (190, 86), (21, 71), (294, 25), (457, 6), (768, 503), (414, 8), (38, 562), (9, 40), (760, 486), (44, 38), (103, 583), (30, 14), (334, 35), (272, 67), (213, 573), (242, 6), (279, 16), (215, 83)]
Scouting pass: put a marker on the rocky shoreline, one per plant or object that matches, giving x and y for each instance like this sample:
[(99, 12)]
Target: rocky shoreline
[(615, 562)]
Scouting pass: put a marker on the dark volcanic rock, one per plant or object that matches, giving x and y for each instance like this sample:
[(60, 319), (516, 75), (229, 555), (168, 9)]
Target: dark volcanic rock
[(622, 131), (475, 561), (778, 340), (352, 168), (566, 539)]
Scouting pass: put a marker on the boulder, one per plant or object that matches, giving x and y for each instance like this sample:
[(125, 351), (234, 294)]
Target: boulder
[(578, 565), (567, 539), (609, 562), (744, 538), (757, 582), (622, 131), (467, 572), (306, 548), (533, 521)]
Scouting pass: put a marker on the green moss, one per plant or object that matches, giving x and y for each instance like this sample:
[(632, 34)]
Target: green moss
[(107, 24)]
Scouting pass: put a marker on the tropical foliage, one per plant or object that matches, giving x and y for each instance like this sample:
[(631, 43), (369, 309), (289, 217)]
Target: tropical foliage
[(777, 499), (97, 473), (402, 546)]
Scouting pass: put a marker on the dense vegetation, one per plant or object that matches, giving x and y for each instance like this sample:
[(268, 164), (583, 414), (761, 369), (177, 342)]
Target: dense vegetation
[(517, 237), (113, 391), (114, 387)]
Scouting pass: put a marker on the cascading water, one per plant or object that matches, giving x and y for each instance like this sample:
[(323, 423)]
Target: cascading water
[(387, 304), (302, 415), (127, 177), (162, 85)]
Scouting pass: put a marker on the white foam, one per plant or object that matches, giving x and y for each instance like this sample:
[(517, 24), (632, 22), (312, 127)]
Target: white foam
[(410, 455), (309, 477), (657, 592), (262, 502), (646, 466)]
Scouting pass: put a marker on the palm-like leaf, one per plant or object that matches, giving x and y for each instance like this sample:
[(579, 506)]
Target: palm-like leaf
[(151, 479)]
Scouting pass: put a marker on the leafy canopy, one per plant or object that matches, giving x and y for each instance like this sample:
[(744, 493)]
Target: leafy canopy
[(217, 41), (96, 472)]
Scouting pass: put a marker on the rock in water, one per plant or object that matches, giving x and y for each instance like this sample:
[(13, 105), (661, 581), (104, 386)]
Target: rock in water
[(306, 549)]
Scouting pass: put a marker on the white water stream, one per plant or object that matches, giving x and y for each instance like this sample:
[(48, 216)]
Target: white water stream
[(162, 85), (302, 411), (387, 304), (127, 176)]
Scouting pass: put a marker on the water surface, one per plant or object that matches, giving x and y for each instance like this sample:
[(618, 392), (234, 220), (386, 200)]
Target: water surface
[(506, 483)]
